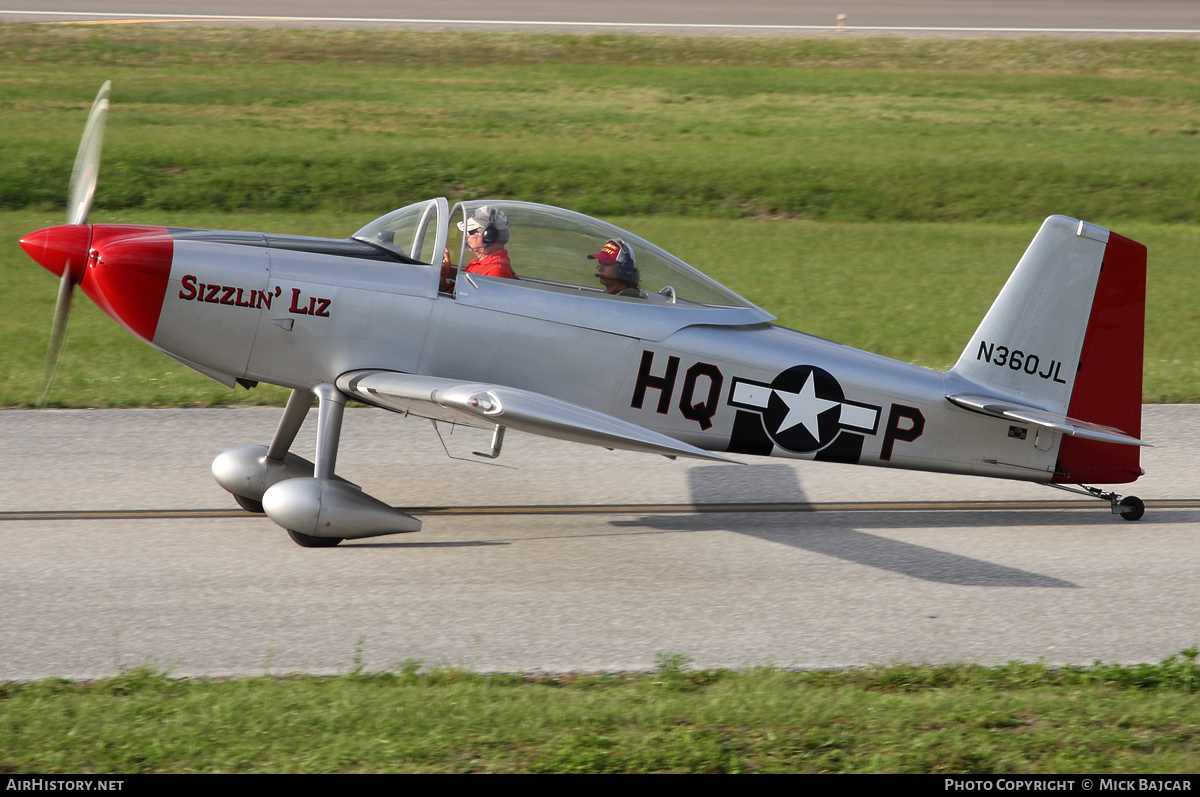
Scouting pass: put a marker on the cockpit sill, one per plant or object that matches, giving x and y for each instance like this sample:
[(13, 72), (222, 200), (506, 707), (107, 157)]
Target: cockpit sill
[(340, 247), (639, 318)]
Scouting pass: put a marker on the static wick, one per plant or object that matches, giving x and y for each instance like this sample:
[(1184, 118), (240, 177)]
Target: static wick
[(841, 19)]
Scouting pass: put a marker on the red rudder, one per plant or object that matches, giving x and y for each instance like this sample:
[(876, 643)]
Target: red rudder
[(1108, 386)]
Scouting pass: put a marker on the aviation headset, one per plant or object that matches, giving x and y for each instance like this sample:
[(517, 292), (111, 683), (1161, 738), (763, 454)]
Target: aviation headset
[(491, 223), (625, 263), (490, 233)]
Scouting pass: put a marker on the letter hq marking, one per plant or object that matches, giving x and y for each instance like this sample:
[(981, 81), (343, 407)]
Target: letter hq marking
[(702, 412), (664, 384)]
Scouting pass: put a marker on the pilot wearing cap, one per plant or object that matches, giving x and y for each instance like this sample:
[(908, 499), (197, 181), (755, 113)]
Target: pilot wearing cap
[(616, 269), (487, 233)]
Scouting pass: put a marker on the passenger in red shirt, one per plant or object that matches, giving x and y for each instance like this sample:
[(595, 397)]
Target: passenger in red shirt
[(487, 235)]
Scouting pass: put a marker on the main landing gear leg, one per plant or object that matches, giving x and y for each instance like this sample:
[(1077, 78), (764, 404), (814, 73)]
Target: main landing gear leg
[(320, 510), (329, 428), (247, 472), (294, 414), (1129, 507), (329, 432)]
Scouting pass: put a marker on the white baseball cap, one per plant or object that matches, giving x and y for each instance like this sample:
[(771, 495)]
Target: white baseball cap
[(482, 217)]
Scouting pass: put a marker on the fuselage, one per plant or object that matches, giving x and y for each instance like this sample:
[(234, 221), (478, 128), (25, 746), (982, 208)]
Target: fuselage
[(299, 312)]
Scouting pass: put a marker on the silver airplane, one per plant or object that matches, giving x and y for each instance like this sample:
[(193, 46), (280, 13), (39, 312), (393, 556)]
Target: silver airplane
[(1047, 390)]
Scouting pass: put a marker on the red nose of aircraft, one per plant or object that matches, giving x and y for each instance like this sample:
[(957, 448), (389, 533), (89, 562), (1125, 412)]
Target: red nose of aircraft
[(123, 268), (58, 248)]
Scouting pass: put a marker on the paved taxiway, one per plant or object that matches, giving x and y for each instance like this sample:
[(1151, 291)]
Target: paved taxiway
[(220, 592), (804, 17)]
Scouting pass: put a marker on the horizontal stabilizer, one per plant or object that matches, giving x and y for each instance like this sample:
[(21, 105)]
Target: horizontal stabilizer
[(1012, 411), (483, 405)]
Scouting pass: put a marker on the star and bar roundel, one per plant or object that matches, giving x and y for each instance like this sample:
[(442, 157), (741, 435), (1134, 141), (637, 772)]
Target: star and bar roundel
[(803, 410)]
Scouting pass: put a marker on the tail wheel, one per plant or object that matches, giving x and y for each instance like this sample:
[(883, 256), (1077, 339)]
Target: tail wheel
[(309, 541), (1132, 508)]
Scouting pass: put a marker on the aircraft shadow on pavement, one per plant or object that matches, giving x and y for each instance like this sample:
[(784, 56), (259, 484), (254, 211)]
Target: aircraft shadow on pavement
[(826, 533), (905, 558)]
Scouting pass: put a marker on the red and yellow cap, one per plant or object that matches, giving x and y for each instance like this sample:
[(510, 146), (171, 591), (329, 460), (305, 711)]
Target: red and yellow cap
[(613, 252)]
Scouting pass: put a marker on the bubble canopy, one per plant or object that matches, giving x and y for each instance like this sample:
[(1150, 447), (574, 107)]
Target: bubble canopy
[(548, 248)]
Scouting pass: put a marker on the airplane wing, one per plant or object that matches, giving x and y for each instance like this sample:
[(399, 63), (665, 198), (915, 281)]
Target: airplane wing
[(484, 405), (998, 408)]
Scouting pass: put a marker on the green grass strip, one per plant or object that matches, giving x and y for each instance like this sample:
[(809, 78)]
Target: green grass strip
[(1017, 718), (860, 129)]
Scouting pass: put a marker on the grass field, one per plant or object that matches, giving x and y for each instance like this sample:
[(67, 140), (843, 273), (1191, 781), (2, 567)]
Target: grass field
[(861, 130), (1020, 718), (873, 191)]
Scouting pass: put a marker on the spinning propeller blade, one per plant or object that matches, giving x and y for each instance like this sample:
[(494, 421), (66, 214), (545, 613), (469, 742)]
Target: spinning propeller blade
[(87, 161), (82, 191), (58, 333)]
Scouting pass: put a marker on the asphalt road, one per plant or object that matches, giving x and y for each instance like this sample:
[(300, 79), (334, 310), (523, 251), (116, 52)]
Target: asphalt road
[(800, 16), (175, 575), (138, 556)]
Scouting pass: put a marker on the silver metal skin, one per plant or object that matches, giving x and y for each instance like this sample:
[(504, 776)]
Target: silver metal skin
[(224, 348), (248, 471), (1034, 314), (327, 508), (383, 313), (329, 428), (294, 413)]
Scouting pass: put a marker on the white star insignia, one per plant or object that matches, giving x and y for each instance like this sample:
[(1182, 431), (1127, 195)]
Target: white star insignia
[(804, 408)]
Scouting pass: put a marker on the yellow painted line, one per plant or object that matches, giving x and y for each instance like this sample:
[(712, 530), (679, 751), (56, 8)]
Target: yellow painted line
[(861, 506), (618, 509), (127, 514), (127, 21)]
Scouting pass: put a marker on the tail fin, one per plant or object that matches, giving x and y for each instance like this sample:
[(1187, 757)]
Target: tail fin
[(1066, 334)]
